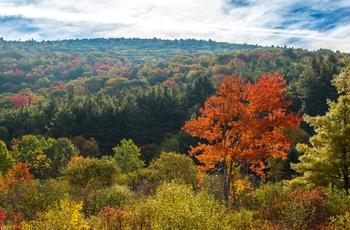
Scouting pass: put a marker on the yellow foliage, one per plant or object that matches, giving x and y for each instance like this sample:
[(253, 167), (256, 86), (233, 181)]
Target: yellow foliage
[(67, 215)]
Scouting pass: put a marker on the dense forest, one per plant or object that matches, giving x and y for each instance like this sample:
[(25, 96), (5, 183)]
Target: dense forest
[(173, 134)]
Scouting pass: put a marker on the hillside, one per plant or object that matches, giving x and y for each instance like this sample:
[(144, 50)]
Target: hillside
[(114, 132), (128, 81)]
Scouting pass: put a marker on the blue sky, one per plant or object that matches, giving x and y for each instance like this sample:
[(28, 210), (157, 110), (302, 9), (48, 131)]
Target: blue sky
[(311, 24)]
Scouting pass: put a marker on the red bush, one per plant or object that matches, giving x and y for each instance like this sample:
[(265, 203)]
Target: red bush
[(298, 210)]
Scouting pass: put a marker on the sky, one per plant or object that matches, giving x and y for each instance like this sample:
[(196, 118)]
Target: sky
[(309, 24)]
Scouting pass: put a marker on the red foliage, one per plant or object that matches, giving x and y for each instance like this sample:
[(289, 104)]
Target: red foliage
[(112, 218), (298, 210), (169, 83), (2, 217), (20, 99)]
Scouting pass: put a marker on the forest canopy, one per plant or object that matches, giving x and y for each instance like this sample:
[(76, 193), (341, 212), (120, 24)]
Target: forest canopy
[(117, 132)]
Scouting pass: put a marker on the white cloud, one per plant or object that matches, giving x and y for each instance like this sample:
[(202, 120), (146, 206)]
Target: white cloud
[(241, 21)]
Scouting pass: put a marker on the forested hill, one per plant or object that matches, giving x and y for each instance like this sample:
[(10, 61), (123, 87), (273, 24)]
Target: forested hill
[(127, 44), (141, 89)]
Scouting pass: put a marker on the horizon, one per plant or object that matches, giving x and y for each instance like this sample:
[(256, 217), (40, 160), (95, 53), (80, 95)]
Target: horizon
[(311, 25)]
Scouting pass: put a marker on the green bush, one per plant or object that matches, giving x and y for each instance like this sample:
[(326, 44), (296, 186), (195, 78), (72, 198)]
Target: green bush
[(29, 199), (174, 167), (86, 172), (114, 197)]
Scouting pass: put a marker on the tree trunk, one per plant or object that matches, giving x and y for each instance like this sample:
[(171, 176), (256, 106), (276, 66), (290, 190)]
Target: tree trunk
[(225, 181), (345, 171)]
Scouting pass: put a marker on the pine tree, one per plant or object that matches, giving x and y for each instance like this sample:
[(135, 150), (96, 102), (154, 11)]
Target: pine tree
[(327, 161)]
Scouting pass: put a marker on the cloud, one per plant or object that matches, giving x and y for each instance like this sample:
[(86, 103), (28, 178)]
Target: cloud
[(309, 24)]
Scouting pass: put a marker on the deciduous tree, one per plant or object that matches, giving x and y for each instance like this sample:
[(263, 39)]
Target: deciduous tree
[(127, 156), (6, 160), (243, 123), (20, 99)]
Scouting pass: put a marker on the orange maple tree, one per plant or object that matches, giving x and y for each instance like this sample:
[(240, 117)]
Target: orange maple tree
[(243, 123), (19, 174)]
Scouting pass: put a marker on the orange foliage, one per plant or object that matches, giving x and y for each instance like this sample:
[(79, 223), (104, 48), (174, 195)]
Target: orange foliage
[(19, 174), (243, 123)]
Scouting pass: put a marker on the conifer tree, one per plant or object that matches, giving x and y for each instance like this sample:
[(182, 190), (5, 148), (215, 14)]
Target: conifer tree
[(327, 160)]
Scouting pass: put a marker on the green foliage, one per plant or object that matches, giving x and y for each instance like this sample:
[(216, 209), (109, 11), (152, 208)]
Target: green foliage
[(86, 172), (337, 202), (4, 133), (40, 166), (6, 160), (63, 123), (60, 152), (29, 148), (111, 90), (242, 219), (173, 167), (127, 155), (276, 168), (213, 184), (170, 145), (90, 148), (30, 199), (315, 86), (266, 194), (115, 196), (340, 222), (327, 161)]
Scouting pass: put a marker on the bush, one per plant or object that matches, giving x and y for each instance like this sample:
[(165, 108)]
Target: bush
[(298, 210), (29, 199), (86, 172), (66, 215), (177, 206), (174, 167), (113, 197)]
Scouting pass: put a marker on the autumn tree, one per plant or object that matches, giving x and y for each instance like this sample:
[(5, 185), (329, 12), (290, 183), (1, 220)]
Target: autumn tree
[(19, 174), (30, 150), (327, 161), (6, 160), (243, 123), (20, 99)]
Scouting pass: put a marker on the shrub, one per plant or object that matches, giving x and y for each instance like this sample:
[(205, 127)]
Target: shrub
[(177, 206), (174, 167), (29, 199), (86, 172), (113, 197), (66, 215), (298, 210)]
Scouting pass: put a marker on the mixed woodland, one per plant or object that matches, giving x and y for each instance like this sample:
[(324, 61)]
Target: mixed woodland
[(173, 134)]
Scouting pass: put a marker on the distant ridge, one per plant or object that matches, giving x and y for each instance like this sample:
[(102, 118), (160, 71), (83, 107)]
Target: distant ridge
[(104, 44)]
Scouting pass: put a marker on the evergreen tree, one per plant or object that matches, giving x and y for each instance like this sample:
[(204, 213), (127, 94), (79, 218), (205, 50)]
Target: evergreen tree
[(327, 161), (314, 86)]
